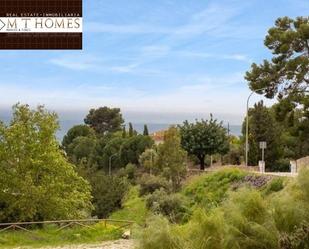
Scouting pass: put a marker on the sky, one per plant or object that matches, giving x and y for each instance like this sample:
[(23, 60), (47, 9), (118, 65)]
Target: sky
[(160, 61)]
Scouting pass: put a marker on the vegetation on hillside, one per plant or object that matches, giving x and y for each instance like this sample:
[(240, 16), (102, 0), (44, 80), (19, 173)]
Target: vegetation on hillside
[(229, 212)]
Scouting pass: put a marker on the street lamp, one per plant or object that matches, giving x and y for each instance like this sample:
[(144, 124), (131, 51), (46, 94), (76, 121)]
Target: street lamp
[(247, 124), (110, 164)]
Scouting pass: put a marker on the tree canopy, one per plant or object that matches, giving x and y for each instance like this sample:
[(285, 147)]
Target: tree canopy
[(105, 119), (205, 137), (171, 159), (287, 72), (263, 128), (36, 181)]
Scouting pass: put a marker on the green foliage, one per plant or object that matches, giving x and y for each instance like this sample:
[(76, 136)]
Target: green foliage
[(50, 236), (108, 193), (146, 132), (281, 165), (174, 206), (133, 147), (245, 218), (299, 239), (111, 152), (128, 172), (287, 72), (209, 190), (205, 137), (131, 130), (133, 208), (206, 230), (159, 234), (249, 223), (75, 132), (262, 127), (36, 181), (151, 183), (148, 160), (171, 160), (104, 119), (275, 185), (82, 148), (286, 76), (291, 207)]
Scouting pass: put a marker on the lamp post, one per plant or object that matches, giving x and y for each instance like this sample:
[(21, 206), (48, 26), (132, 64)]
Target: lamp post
[(110, 164), (247, 124)]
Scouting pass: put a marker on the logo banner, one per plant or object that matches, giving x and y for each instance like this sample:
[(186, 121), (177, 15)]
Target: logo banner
[(41, 24)]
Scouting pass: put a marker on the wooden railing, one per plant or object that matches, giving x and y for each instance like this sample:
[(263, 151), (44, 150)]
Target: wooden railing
[(64, 224)]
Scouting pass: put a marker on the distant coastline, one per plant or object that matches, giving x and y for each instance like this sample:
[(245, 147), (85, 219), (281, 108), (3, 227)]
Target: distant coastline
[(65, 125), (139, 127)]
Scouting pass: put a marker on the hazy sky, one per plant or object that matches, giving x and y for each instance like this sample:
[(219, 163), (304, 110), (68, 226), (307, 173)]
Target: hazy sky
[(156, 60)]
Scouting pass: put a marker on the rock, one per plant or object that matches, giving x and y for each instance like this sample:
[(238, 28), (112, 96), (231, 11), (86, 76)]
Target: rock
[(126, 234)]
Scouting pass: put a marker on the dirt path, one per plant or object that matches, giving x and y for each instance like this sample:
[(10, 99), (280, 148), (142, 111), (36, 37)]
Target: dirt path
[(119, 244)]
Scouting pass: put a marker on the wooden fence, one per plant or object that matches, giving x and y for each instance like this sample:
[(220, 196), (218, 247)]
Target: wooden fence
[(65, 224)]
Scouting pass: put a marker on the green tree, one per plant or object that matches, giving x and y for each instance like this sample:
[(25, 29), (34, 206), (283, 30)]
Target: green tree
[(77, 131), (146, 132), (124, 132), (287, 72), (262, 127), (131, 130), (105, 119), (133, 147), (286, 76), (112, 149), (82, 148), (205, 137), (108, 193), (148, 160), (172, 158), (36, 181)]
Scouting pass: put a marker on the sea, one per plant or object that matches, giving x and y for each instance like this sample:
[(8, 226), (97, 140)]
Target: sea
[(66, 124), (139, 127)]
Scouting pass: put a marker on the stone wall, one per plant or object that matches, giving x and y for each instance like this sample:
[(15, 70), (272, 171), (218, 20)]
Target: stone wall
[(303, 162)]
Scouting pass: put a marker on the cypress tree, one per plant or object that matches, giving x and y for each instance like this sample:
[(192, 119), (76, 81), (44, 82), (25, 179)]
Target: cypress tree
[(131, 130), (146, 132)]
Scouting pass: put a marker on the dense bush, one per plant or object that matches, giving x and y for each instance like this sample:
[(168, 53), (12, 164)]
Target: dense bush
[(281, 165), (159, 234), (245, 218), (210, 189), (108, 193), (151, 183), (299, 239), (173, 206), (133, 147), (275, 185), (36, 181), (129, 172)]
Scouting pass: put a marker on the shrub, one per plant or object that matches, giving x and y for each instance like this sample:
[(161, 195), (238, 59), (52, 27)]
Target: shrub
[(108, 193), (129, 172), (297, 240), (150, 183), (133, 208), (210, 189), (159, 234), (207, 231), (173, 206), (291, 207), (281, 165), (250, 224), (275, 185)]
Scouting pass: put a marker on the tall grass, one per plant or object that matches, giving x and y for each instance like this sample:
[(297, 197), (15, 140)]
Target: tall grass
[(51, 236), (134, 208), (245, 218)]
